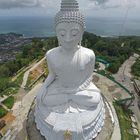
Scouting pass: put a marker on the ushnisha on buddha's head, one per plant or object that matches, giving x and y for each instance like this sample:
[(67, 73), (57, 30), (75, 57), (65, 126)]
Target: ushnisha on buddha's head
[(69, 24)]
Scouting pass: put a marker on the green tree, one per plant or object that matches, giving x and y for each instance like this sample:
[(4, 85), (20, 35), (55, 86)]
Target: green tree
[(4, 71), (136, 68), (4, 83), (114, 67)]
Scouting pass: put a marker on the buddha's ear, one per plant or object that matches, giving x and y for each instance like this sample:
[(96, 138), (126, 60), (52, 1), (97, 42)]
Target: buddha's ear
[(81, 37), (80, 42)]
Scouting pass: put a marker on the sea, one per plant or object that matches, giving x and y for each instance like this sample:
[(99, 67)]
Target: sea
[(44, 26)]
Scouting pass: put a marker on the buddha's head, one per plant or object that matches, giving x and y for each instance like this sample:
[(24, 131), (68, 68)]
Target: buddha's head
[(69, 24)]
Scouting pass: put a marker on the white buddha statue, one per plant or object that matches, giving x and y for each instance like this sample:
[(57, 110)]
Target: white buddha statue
[(68, 100)]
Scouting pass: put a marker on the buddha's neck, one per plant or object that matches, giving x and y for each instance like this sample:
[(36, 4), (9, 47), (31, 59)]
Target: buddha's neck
[(70, 50)]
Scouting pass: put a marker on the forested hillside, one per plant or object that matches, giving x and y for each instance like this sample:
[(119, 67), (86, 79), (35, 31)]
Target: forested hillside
[(114, 50)]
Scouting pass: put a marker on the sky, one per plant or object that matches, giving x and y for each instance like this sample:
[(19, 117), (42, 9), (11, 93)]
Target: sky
[(90, 8)]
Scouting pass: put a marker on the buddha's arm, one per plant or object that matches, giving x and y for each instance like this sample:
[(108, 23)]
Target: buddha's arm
[(92, 57), (51, 75)]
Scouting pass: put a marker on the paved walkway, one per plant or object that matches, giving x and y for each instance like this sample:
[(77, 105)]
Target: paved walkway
[(124, 77), (5, 107), (116, 133), (25, 77), (109, 89), (21, 108), (2, 99), (124, 73)]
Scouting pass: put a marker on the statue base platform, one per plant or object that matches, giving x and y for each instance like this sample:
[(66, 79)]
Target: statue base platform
[(34, 133)]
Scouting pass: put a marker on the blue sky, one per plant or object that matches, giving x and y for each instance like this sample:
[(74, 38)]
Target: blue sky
[(92, 8)]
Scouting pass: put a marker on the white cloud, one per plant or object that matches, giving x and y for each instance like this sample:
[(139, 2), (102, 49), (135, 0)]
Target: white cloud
[(105, 4), (99, 2), (6, 4)]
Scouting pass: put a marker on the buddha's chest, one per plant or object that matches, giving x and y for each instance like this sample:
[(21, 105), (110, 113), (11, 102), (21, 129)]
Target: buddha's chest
[(66, 62), (66, 66), (71, 70)]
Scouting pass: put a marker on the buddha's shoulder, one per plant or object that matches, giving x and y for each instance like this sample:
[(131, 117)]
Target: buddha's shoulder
[(88, 52), (52, 52)]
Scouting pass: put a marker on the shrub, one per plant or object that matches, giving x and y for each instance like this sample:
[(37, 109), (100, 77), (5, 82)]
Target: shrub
[(9, 102), (3, 112)]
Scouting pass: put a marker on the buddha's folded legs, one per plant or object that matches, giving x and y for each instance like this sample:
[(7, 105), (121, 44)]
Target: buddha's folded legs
[(81, 98), (87, 98), (53, 97), (54, 100)]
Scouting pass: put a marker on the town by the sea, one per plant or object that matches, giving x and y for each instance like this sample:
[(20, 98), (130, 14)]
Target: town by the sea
[(43, 26)]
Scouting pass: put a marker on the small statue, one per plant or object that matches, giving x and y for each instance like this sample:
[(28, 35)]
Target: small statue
[(68, 100), (67, 135)]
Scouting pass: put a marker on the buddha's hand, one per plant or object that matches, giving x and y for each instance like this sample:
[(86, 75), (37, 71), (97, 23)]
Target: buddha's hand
[(70, 91)]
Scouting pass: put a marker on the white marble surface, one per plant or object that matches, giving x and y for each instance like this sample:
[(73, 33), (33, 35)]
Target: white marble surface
[(68, 100)]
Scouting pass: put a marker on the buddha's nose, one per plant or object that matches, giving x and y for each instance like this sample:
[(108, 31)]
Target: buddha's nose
[(67, 38)]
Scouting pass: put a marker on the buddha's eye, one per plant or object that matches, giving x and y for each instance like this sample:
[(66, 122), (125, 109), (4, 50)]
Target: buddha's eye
[(62, 33), (74, 32)]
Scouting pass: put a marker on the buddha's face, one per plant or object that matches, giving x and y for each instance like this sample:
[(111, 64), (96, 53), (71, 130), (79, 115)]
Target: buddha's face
[(69, 34)]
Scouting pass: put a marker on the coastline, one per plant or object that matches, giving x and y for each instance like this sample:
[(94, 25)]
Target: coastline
[(44, 26)]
